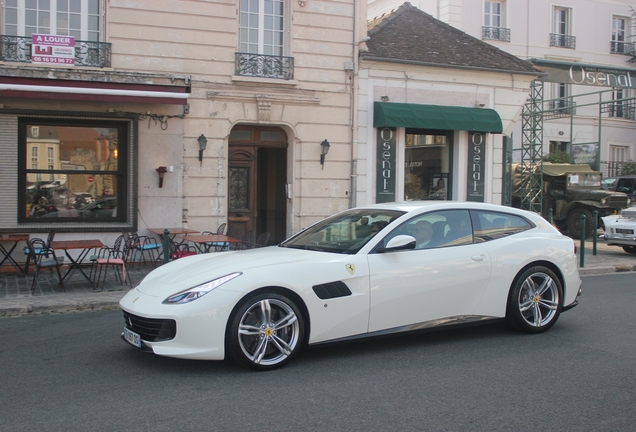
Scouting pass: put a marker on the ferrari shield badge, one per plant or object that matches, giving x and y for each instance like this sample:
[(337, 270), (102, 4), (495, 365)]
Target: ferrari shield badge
[(351, 268)]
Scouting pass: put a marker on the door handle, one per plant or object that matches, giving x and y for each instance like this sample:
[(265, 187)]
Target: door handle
[(477, 257)]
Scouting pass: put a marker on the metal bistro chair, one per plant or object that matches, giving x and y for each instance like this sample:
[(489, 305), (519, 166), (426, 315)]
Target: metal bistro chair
[(218, 246), (262, 240), (49, 239), (43, 257), (145, 247), (247, 241), (116, 257)]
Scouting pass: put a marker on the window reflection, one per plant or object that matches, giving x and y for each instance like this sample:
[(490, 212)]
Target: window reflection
[(71, 171)]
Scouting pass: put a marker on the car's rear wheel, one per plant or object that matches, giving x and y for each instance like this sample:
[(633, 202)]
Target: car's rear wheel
[(265, 332), (630, 249), (534, 301)]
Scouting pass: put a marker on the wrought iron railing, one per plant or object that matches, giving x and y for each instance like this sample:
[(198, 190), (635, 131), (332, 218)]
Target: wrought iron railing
[(559, 108), (495, 33), (563, 41), (264, 66), (626, 48), (87, 53)]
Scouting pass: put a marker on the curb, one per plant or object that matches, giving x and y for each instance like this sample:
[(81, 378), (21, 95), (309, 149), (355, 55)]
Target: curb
[(619, 268)]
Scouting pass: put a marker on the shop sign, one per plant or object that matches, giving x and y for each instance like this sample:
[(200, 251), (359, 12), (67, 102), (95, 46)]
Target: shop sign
[(476, 166), (585, 154), (386, 168), (584, 74), (49, 49)]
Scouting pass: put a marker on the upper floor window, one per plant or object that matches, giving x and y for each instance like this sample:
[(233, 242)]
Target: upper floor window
[(492, 14), (262, 27), (262, 42), (620, 35), (493, 28), (77, 18), (561, 28)]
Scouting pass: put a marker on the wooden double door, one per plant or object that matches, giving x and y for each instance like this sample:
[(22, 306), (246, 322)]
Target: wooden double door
[(257, 198)]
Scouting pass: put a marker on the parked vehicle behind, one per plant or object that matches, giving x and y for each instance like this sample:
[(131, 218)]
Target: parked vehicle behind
[(625, 184), (571, 190), (620, 230)]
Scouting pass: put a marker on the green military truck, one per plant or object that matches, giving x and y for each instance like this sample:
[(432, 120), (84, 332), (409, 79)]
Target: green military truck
[(570, 190)]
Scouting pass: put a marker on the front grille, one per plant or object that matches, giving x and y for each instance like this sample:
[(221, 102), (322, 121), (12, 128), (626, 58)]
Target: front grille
[(150, 329), (616, 202)]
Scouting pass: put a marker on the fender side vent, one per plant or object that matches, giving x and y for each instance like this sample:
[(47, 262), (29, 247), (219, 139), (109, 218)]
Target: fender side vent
[(331, 290)]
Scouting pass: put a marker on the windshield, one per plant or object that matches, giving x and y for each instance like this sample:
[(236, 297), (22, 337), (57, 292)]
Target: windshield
[(345, 232), (584, 180)]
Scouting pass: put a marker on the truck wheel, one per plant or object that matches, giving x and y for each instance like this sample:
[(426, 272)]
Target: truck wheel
[(574, 223), (630, 249)]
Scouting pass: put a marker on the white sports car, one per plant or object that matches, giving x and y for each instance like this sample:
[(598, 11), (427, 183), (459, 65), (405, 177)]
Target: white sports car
[(620, 230), (373, 270)]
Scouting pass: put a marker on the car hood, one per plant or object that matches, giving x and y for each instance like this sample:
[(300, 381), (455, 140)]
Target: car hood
[(191, 271)]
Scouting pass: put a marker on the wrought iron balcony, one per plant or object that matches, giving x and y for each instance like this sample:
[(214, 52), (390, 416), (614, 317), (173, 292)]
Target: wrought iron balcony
[(559, 108), (626, 48), (563, 41), (87, 53), (264, 66), (495, 33)]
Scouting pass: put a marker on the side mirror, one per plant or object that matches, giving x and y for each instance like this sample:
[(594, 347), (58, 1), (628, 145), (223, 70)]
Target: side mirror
[(397, 243)]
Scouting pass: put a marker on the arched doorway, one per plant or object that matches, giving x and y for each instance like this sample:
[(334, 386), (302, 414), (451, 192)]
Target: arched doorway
[(257, 179)]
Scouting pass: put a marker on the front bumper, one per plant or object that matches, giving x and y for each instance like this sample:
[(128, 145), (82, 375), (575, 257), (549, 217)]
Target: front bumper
[(620, 240), (200, 325)]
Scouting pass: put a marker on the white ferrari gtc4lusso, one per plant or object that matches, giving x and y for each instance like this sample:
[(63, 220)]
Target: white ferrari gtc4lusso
[(374, 270)]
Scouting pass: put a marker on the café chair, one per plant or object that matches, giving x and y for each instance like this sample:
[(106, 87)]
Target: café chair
[(218, 246), (115, 257), (147, 249), (262, 240), (43, 257), (49, 239), (247, 241)]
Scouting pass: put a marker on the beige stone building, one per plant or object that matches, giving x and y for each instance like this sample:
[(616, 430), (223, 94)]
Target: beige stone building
[(235, 101)]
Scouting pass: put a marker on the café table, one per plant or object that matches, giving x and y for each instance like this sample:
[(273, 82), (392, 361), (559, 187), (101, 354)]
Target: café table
[(14, 238), (173, 231), (85, 246), (203, 243)]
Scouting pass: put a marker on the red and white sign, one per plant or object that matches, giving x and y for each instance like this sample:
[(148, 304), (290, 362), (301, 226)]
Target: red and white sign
[(90, 179), (52, 49)]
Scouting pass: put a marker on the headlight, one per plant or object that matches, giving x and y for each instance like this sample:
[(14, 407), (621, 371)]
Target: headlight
[(604, 201), (191, 294)]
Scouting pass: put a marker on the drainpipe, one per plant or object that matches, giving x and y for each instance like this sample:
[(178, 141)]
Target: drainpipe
[(354, 105)]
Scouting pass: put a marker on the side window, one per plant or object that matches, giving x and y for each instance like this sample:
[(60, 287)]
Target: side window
[(492, 225), (437, 229), (625, 185)]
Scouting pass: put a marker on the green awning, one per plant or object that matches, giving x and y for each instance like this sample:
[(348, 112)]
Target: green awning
[(441, 117)]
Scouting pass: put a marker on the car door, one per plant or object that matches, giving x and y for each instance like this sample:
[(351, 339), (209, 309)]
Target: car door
[(416, 286)]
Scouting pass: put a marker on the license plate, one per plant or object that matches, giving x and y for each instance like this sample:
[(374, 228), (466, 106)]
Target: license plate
[(132, 338), (624, 231)]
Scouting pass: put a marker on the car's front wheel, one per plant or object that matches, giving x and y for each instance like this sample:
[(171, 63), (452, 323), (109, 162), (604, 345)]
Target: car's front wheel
[(265, 332), (630, 249), (534, 301)]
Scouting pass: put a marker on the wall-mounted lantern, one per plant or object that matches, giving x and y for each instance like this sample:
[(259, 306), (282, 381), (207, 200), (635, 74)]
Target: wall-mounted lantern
[(203, 142), (324, 149), (161, 170)]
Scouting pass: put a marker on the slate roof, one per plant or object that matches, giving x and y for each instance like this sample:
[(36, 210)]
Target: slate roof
[(410, 35)]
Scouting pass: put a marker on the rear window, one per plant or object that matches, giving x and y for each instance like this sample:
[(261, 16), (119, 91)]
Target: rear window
[(493, 225)]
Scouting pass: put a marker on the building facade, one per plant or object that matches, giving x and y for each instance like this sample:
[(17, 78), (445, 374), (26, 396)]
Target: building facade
[(435, 105), (591, 119), (128, 115)]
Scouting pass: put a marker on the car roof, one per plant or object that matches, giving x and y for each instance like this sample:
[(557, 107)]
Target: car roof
[(415, 206)]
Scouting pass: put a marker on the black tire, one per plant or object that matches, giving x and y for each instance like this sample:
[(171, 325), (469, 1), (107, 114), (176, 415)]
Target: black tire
[(561, 224), (630, 249), (574, 223), (535, 300), (265, 332)]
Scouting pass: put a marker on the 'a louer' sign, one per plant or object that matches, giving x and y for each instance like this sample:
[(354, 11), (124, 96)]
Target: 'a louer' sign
[(585, 74), (52, 49)]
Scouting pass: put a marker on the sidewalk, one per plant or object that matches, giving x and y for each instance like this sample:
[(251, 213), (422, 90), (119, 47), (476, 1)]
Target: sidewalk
[(16, 300)]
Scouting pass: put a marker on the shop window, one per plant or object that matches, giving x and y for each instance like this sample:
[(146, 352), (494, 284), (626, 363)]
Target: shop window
[(427, 165), (84, 176)]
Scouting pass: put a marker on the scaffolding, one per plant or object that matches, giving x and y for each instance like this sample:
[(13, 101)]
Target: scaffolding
[(533, 116)]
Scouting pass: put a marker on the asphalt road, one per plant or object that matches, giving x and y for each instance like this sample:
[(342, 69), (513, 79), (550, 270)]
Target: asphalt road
[(71, 372)]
